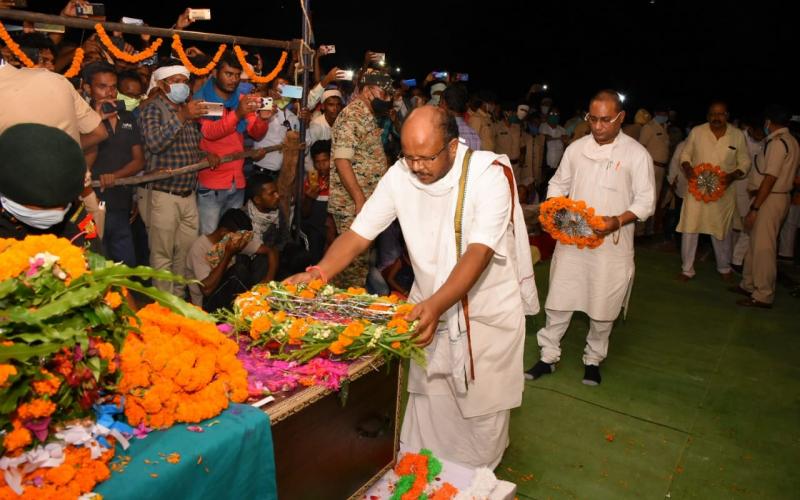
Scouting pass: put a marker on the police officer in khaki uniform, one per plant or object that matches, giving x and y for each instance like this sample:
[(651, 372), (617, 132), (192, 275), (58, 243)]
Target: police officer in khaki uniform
[(770, 185)]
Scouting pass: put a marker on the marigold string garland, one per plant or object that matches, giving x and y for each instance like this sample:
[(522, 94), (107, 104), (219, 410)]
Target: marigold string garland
[(571, 222), (75, 67), (12, 45), (254, 78), (131, 58), (178, 47), (708, 183)]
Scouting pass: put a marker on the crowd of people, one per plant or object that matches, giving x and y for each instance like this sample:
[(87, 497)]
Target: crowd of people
[(385, 162)]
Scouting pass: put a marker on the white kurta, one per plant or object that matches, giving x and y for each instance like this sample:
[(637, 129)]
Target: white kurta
[(496, 313), (613, 179), (729, 153)]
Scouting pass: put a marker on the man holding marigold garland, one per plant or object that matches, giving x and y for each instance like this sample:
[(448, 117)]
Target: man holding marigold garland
[(613, 174)]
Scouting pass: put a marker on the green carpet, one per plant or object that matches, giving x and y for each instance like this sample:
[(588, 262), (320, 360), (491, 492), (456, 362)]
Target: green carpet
[(700, 398)]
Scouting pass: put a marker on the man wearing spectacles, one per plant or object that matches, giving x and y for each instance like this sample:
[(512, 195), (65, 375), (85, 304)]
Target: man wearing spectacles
[(726, 147), (459, 406), (612, 173)]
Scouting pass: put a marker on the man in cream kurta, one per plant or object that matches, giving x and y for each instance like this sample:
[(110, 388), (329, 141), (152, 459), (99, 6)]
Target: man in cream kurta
[(612, 173), (723, 145), (458, 417)]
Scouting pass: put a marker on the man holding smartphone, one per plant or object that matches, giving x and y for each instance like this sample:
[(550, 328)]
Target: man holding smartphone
[(118, 157)]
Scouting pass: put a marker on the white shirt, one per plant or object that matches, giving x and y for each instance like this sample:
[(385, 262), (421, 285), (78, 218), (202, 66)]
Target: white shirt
[(555, 146), (676, 173), (276, 135), (318, 130)]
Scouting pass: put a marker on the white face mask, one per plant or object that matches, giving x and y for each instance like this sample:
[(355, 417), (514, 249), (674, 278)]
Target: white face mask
[(522, 114), (37, 218)]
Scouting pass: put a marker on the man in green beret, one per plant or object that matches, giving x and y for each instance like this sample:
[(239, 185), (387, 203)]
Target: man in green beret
[(42, 172)]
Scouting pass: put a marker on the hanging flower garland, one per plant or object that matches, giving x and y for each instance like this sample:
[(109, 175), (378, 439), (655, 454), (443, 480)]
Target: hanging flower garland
[(708, 183), (11, 44), (571, 222), (75, 67), (131, 58), (254, 78), (177, 46)]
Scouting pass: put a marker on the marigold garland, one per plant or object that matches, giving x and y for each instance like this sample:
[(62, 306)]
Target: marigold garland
[(416, 471), (131, 58), (15, 256), (708, 183), (77, 475), (178, 47), (176, 369), (254, 78), (75, 67), (12, 45), (571, 222)]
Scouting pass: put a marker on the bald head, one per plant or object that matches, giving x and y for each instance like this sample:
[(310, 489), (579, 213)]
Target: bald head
[(610, 96), (426, 135)]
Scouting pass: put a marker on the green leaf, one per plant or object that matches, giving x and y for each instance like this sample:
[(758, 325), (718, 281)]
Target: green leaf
[(9, 402), (21, 352), (7, 287), (105, 314), (167, 299), (70, 300), (94, 365)]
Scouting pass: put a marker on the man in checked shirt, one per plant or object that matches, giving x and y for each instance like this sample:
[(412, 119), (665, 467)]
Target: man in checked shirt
[(172, 140)]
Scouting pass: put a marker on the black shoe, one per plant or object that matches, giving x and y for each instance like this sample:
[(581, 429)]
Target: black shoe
[(591, 375), (539, 369)]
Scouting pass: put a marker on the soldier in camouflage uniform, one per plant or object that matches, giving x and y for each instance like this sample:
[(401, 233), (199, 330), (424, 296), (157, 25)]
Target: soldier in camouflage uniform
[(357, 152)]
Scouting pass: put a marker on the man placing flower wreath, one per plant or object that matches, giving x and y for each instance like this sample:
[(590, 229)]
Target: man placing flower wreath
[(473, 283), (612, 173)]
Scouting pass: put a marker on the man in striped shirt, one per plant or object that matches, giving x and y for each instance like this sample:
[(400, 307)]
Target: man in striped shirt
[(454, 101)]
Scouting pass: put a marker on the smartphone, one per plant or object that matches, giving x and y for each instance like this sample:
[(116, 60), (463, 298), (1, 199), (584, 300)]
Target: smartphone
[(115, 107), (345, 75), (440, 75), (92, 9), (410, 83), (132, 20), (200, 14), (462, 77), (213, 108), (327, 49), (266, 104), (292, 91)]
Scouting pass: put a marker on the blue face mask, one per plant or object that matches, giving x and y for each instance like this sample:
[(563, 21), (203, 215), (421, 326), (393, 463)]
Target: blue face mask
[(766, 130), (178, 92), (661, 119)]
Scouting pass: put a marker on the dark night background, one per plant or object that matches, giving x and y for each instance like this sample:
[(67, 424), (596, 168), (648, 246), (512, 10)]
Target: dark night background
[(679, 53)]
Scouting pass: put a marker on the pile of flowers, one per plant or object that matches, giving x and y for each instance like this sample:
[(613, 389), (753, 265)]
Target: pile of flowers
[(177, 369), (571, 222), (708, 183), (304, 321), (415, 472)]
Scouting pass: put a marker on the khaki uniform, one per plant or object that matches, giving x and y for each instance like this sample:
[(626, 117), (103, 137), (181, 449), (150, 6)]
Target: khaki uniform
[(356, 137), (581, 129), (656, 141), (779, 159), (484, 125), (512, 140)]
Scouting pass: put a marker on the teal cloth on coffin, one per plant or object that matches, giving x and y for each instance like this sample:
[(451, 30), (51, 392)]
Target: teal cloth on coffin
[(237, 461)]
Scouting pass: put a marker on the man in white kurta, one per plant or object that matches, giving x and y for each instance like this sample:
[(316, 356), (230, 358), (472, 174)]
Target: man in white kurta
[(723, 145), (612, 173), (459, 417)]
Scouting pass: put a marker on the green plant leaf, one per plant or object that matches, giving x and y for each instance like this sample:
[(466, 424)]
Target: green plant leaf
[(21, 352), (167, 299), (9, 402)]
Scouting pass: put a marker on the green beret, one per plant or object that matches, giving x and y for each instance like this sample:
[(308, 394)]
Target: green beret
[(40, 165)]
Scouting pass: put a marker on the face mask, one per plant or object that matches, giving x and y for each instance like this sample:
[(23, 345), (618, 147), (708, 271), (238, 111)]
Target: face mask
[(178, 92), (552, 120), (40, 219), (490, 108), (522, 114), (545, 109), (131, 103), (381, 107), (766, 130), (661, 119)]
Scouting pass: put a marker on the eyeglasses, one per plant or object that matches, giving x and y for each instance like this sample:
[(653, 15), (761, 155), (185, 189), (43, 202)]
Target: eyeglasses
[(409, 160), (603, 120)]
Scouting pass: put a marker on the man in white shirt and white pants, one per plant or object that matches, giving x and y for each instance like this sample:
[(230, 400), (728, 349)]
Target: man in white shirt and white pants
[(459, 405), (612, 173)]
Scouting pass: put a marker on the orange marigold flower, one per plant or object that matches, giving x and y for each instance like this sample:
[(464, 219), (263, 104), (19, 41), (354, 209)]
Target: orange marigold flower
[(264, 290), (47, 387), (356, 291), (402, 310), (17, 439), (345, 340), (354, 329), (291, 288), (316, 285), (6, 371), (280, 316), (336, 347), (106, 350), (377, 306), (396, 345), (38, 408), (307, 294), (260, 325), (398, 324), (113, 300)]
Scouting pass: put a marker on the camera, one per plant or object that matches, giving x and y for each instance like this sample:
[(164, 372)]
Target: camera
[(266, 104), (93, 9)]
